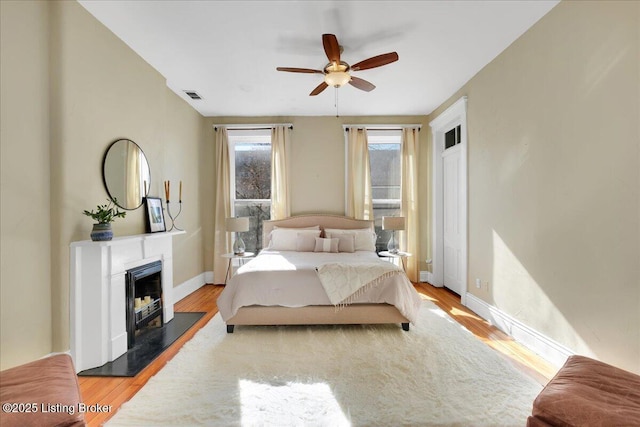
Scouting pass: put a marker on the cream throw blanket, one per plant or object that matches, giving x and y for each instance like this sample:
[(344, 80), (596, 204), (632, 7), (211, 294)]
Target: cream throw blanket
[(344, 283)]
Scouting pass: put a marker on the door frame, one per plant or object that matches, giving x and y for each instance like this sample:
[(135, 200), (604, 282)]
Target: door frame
[(453, 116)]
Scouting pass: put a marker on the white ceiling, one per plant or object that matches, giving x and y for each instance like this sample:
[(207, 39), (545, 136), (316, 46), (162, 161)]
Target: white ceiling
[(228, 51)]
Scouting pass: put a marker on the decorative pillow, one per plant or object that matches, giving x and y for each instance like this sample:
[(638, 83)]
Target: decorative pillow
[(326, 245), (347, 243), (283, 239), (365, 239), (305, 242)]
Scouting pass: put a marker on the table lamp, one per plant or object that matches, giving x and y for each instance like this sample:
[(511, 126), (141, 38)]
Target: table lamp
[(393, 223), (238, 225)]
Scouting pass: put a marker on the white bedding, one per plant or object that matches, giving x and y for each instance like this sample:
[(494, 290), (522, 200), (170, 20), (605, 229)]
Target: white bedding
[(289, 279)]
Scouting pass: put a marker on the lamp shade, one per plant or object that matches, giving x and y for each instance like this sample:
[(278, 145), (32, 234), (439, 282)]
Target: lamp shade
[(393, 223), (237, 224)]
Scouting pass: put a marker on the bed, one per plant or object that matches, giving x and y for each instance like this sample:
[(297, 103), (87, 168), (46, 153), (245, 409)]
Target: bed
[(286, 284)]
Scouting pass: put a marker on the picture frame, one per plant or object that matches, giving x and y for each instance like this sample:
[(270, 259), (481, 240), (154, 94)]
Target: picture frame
[(155, 215)]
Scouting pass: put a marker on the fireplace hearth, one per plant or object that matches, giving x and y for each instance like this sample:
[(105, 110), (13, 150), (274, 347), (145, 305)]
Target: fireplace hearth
[(143, 299)]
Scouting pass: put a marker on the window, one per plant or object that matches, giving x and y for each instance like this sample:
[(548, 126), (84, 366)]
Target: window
[(250, 167), (385, 161), (452, 137)]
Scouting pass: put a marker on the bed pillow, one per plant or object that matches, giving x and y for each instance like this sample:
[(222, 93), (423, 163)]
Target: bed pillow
[(305, 242), (347, 243), (283, 239), (326, 245), (365, 239)]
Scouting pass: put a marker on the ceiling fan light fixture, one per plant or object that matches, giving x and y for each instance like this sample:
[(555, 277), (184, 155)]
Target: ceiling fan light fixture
[(337, 78), (336, 72)]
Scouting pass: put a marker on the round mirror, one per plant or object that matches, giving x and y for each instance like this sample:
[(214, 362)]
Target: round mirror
[(126, 175)]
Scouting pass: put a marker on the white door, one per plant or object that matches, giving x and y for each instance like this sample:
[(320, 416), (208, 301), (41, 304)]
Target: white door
[(453, 219)]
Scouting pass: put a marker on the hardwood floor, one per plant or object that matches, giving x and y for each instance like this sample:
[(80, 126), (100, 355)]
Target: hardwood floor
[(114, 391), (521, 357)]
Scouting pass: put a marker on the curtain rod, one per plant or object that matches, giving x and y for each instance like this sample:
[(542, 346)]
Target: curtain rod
[(382, 127), (253, 127)]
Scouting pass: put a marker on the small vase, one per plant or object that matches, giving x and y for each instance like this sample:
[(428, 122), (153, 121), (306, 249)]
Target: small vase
[(101, 232)]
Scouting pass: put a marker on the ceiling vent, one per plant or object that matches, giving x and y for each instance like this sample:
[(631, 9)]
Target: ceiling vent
[(192, 94)]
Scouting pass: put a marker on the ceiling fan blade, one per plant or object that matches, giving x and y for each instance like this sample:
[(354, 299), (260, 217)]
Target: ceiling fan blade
[(322, 86), (299, 70), (376, 61), (331, 47), (361, 84)]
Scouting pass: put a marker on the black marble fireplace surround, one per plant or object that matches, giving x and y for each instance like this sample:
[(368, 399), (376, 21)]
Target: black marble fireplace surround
[(143, 281)]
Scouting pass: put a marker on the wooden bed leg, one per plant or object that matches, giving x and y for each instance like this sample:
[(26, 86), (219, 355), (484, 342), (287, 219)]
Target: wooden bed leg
[(230, 329), (405, 326)]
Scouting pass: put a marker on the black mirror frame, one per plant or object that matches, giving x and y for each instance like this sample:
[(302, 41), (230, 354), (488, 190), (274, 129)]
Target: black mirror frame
[(104, 178)]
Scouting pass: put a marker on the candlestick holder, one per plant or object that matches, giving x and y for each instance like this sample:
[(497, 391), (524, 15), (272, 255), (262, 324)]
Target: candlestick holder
[(174, 218)]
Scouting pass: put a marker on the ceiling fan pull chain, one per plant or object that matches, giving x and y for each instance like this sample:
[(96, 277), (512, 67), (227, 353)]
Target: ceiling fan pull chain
[(336, 101)]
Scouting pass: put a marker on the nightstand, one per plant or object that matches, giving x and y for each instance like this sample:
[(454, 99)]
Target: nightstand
[(241, 257), (392, 257)]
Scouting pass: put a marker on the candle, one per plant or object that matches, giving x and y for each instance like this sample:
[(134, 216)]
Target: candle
[(180, 199), (137, 303), (147, 299)]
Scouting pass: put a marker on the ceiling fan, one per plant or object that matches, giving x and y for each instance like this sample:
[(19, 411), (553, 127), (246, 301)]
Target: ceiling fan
[(338, 73)]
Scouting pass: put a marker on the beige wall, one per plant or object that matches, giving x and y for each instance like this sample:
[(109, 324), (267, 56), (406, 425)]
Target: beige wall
[(25, 266), (554, 162), (317, 165), (554, 188), (94, 90)]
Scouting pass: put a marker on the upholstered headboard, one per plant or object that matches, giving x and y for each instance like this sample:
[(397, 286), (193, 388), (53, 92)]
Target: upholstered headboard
[(323, 220)]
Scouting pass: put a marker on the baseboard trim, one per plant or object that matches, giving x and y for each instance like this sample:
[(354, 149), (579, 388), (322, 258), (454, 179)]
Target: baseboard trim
[(426, 276), (186, 288), (56, 353), (544, 346)]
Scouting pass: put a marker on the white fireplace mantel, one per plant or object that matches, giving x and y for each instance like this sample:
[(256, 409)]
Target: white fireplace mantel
[(97, 292)]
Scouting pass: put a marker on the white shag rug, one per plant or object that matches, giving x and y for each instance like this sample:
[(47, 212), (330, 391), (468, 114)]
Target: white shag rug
[(437, 374)]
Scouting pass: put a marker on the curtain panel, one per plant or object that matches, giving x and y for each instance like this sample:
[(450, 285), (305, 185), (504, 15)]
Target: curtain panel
[(222, 210), (410, 239), (359, 197), (280, 143)]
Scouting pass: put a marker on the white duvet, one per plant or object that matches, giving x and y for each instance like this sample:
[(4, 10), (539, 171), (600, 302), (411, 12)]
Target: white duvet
[(289, 279)]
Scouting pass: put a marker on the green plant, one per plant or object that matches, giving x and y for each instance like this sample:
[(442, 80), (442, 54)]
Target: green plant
[(105, 214)]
